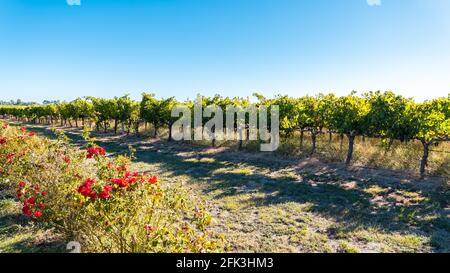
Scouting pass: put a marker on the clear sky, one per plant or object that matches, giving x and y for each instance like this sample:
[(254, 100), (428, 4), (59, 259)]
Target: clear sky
[(106, 48)]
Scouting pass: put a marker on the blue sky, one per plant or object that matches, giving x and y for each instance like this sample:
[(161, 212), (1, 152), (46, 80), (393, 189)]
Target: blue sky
[(50, 50)]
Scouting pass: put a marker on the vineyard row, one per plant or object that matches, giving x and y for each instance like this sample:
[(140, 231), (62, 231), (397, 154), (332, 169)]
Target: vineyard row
[(374, 114)]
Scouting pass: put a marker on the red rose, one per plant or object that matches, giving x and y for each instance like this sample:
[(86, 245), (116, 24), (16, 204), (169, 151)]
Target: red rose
[(88, 182), (3, 140), (131, 180), (44, 193), (104, 194), (27, 210), (153, 180), (32, 134), (101, 151), (84, 190), (90, 152), (30, 201), (120, 182), (93, 151), (41, 206), (22, 184), (37, 214)]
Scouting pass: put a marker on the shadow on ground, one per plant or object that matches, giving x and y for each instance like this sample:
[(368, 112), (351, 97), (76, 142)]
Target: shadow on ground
[(353, 202)]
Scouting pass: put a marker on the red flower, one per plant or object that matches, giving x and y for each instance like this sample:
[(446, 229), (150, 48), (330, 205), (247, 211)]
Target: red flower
[(153, 180), (88, 182), (3, 140), (41, 206), (120, 182), (31, 134), (27, 210), (85, 188), (23, 129), (22, 184), (116, 181), (101, 151), (37, 214), (93, 151), (44, 193), (131, 177), (104, 194), (30, 201)]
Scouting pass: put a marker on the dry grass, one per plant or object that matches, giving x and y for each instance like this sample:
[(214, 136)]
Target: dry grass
[(370, 153)]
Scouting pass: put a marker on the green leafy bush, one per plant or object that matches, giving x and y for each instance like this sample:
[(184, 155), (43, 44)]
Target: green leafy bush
[(97, 201)]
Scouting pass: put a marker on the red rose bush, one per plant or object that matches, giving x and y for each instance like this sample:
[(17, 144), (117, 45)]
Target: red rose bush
[(98, 200)]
